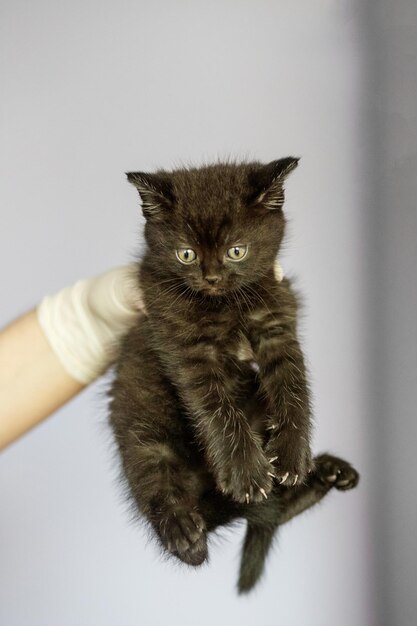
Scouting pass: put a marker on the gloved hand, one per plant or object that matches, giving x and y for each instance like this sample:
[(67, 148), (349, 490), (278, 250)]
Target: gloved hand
[(83, 322)]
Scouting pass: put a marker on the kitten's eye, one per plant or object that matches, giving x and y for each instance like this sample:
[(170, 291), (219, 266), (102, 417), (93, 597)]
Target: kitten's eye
[(186, 255), (237, 253)]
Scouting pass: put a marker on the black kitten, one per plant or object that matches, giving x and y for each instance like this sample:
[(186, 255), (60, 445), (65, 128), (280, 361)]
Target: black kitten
[(210, 404)]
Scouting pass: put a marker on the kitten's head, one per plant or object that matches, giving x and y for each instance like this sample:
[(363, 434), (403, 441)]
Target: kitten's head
[(215, 228)]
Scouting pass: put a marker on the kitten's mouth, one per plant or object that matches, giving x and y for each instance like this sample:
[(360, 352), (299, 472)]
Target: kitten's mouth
[(214, 291)]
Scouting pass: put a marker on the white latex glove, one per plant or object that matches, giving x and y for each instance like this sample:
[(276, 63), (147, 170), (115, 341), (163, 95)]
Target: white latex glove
[(84, 321)]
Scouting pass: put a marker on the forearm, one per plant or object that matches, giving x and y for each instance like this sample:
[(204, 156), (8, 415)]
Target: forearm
[(282, 373), (33, 383), (209, 402), (284, 383)]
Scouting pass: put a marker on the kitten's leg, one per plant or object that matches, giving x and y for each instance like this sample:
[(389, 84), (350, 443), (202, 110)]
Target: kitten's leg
[(234, 451), (329, 472), (166, 491), (283, 383), (282, 506), (161, 471)]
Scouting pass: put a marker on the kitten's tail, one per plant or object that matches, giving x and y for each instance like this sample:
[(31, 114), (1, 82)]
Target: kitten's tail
[(256, 546)]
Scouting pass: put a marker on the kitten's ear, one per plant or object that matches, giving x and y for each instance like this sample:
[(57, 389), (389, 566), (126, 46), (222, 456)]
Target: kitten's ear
[(267, 183), (155, 191)]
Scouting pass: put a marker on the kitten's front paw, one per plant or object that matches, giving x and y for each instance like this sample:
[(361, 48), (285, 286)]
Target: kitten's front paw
[(248, 479), (334, 472), (182, 531), (291, 458)]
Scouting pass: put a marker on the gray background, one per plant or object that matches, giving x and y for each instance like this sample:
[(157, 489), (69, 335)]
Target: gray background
[(91, 89)]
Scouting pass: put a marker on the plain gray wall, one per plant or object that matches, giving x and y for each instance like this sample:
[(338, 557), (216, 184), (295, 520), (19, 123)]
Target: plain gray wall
[(391, 97), (91, 89)]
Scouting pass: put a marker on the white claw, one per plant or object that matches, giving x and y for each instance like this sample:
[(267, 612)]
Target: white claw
[(271, 474), (247, 498), (284, 478), (274, 458), (331, 478), (295, 479), (263, 492), (272, 427)]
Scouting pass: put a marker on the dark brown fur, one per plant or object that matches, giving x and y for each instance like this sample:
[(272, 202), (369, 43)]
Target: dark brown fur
[(210, 404)]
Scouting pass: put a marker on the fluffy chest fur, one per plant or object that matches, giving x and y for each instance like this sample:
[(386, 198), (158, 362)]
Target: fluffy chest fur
[(205, 331)]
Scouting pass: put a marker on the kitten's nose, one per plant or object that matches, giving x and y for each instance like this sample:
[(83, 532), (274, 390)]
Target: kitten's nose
[(212, 279)]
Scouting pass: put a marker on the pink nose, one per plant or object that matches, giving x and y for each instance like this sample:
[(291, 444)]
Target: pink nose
[(212, 280)]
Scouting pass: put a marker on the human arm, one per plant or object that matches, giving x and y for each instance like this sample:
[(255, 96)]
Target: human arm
[(48, 355), (33, 382)]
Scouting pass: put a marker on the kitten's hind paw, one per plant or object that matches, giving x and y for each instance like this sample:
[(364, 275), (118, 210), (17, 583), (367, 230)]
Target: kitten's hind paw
[(183, 533), (334, 472)]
